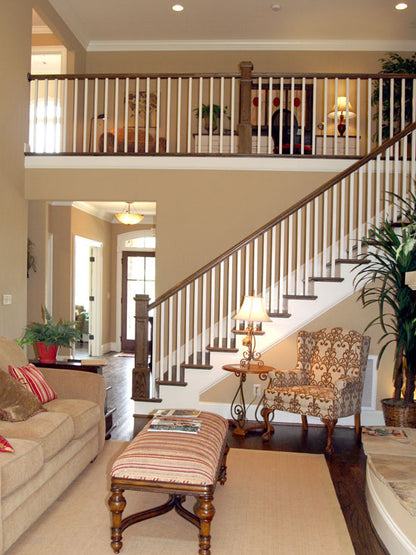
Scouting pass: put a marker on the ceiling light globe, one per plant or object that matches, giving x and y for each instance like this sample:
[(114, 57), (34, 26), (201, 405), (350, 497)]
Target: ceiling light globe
[(177, 8), (401, 6)]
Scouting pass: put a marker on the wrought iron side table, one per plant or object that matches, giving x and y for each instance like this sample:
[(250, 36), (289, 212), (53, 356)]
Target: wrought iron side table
[(238, 404)]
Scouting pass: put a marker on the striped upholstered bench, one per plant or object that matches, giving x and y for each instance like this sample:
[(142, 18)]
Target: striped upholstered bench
[(176, 464)]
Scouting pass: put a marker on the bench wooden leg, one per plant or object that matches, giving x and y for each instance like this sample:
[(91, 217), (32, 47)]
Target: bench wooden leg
[(117, 504), (222, 476), (205, 511)]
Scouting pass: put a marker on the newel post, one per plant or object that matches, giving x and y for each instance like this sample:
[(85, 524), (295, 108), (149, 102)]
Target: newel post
[(244, 126), (141, 370)]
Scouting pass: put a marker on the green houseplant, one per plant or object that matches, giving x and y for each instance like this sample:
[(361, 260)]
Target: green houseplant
[(394, 63), (49, 335), (391, 254), (205, 113)]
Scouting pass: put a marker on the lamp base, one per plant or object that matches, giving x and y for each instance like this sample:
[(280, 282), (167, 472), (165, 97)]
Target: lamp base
[(341, 126)]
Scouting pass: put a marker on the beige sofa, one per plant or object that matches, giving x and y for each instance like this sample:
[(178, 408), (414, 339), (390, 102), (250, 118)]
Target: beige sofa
[(51, 448)]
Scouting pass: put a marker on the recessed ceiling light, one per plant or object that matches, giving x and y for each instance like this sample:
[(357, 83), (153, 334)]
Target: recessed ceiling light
[(401, 6), (275, 7), (177, 8)]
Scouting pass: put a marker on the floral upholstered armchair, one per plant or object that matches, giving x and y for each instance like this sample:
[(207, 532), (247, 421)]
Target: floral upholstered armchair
[(327, 382)]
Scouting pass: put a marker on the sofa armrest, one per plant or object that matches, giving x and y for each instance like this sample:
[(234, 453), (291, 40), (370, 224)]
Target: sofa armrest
[(75, 384)]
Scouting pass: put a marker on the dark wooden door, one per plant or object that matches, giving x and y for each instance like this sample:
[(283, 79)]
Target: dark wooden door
[(138, 277)]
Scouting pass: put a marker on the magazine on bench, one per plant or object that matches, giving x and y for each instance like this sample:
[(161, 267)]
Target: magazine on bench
[(175, 425), (384, 432), (178, 413)]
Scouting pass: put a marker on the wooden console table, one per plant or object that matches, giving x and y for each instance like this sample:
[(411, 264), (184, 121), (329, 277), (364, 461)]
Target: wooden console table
[(238, 404), (75, 364)]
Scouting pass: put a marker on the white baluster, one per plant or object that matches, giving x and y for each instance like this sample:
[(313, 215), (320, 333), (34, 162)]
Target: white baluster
[(189, 130), (74, 131), (178, 124), (85, 119), (178, 327), (168, 115)]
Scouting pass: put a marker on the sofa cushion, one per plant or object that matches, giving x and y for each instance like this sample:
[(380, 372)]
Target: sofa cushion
[(85, 414), (52, 430), (5, 446), (34, 381), (11, 353), (16, 402), (21, 466)]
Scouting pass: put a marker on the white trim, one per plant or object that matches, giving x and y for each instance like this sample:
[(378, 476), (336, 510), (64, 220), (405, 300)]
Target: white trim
[(226, 163), (392, 536), (251, 45)]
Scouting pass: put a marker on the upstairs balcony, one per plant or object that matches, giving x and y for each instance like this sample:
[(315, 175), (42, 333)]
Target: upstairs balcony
[(242, 114)]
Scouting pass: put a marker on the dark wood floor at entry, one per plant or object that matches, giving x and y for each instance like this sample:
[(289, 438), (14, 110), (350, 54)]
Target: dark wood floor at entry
[(346, 465)]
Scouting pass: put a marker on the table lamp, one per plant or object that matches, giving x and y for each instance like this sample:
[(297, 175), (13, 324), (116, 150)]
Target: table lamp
[(341, 108), (252, 310)]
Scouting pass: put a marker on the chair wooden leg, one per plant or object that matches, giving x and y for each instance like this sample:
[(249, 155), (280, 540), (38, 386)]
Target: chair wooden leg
[(330, 425), (267, 414), (357, 419), (304, 422)]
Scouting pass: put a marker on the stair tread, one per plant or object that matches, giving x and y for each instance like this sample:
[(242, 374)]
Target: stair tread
[(280, 314), (172, 382), (244, 332), (223, 349), (325, 279), (304, 297), (201, 366), (352, 261)]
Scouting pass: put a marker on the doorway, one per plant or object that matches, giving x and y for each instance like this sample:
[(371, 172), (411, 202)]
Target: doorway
[(88, 294), (138, 278)]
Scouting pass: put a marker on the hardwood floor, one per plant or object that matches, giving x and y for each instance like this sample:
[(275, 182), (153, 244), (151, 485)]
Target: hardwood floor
[(346, 465)]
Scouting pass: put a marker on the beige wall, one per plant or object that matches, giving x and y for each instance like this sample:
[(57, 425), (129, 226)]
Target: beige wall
[(15, 30), (200, 214), (348, 314), (216, 62), (76, 52)]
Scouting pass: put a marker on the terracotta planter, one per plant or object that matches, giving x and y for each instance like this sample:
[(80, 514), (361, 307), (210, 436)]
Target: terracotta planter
[(398, 414), (47, 354)]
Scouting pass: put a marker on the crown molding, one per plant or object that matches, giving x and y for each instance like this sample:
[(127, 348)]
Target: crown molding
[(252, 45)]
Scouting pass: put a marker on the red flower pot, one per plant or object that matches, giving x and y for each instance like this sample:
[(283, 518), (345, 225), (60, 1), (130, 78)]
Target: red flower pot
[(47, 354)]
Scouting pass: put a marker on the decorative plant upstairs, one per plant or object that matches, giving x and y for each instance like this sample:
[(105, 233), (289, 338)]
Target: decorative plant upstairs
[(392, 253), (394, 99), (50, 333)]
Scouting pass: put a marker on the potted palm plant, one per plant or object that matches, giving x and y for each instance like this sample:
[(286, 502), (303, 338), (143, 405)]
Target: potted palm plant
[(49, 335), (392, 254), (205, 113)]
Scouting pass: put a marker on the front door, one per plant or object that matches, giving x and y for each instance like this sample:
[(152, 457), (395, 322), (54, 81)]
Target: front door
[(138, 278)]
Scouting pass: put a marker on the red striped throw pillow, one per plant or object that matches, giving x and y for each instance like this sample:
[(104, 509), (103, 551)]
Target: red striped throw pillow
[(33, 379), (5, 446)]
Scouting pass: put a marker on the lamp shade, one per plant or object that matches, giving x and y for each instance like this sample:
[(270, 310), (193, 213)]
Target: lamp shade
[(342, 108), (252, 310), (128, 218)]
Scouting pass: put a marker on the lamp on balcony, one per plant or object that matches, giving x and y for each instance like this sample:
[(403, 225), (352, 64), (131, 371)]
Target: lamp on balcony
[(129, 218), (341, 108), (252, 310)]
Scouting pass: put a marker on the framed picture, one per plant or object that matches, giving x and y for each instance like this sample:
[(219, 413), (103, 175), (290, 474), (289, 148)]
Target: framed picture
[(281, 98), (258, 106), (141, 106)]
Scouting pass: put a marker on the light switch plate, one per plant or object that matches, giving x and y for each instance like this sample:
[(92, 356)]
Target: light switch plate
[(7, 299)]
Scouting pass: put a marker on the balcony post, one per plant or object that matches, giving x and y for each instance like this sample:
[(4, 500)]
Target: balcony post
[(244, 126), (141, 370)]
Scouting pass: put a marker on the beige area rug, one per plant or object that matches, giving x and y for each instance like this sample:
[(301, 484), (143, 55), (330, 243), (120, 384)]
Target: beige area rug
[(272, 503)]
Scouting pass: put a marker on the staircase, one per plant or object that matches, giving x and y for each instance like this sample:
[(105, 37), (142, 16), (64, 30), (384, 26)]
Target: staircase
[(302, 262)]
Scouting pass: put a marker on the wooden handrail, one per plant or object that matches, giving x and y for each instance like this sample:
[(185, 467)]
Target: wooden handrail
[(256, 75), (289, 211), (61, 76), (80, 76)]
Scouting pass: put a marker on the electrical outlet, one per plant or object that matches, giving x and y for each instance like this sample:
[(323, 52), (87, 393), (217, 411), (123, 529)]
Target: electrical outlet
[(256, 390)]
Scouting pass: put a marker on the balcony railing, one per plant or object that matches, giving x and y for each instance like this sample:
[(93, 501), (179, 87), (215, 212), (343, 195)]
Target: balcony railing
[(242, 113)]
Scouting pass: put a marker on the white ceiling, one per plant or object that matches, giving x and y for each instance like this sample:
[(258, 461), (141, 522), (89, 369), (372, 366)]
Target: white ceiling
[(104, 24), (106, 210)]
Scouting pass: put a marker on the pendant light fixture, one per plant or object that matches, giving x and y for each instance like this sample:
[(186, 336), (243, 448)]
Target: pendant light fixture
[(129, 218)]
